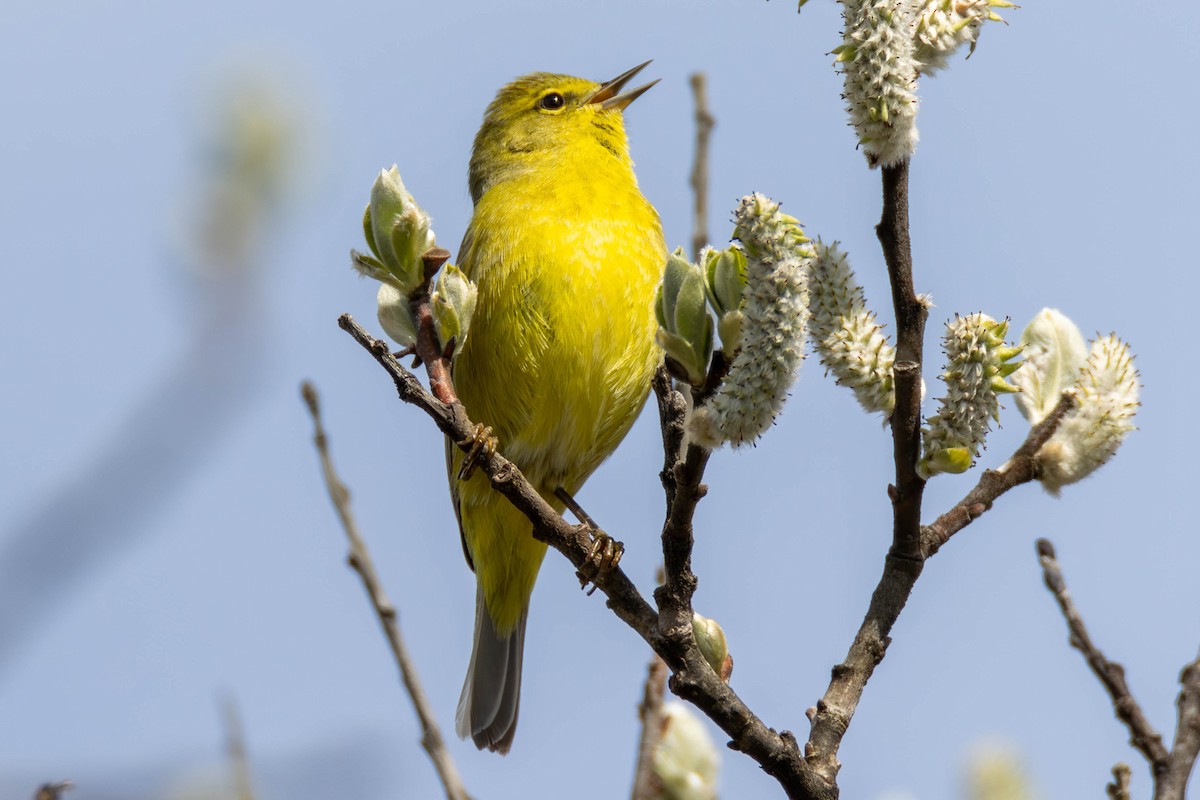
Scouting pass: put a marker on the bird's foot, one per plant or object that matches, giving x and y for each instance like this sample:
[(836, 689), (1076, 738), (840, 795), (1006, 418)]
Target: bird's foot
[(603, 557), (481, 441)]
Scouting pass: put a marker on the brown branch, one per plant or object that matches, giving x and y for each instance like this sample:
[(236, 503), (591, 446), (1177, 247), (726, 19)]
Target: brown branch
[(911, 313), (1169, 770), (360, 561), (428, 349), (1020, 468), (692, 678), (1112, 675), (646, 783), (1173, 785), (1119, 788), (831, 717), (911, 544), (699, 177), (682, 475), (904, 562)]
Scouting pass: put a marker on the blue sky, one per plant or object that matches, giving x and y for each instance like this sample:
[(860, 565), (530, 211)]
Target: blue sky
[(1056, 168)]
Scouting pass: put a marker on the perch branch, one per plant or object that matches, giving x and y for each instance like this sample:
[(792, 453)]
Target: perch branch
[(360, 561), (692, 679)]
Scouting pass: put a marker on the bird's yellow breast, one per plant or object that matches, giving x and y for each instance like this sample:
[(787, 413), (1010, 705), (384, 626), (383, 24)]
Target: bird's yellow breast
[(561, 348)]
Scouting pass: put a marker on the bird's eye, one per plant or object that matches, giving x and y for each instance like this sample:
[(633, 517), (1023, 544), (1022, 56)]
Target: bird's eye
[(552, 101)]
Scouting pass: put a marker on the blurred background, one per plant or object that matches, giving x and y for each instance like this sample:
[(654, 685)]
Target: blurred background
[(181, 185)]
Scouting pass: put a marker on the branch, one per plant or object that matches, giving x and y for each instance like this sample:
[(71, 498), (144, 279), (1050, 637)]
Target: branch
[(437, 362), (683, 471), (646, 783), (1112, 675), (1187, 737), (692, 678), (1020, 468), (699, 177), (1119, 788), (360, 561), (911, 544), (904, 562), (911, 313)]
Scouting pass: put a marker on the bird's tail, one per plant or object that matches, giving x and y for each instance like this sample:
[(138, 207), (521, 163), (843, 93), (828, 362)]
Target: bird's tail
[(487, 710)]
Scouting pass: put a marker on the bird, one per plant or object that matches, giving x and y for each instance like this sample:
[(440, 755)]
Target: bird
[(567, 255)]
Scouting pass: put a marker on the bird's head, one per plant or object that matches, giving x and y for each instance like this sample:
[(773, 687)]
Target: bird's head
[(539, 117)]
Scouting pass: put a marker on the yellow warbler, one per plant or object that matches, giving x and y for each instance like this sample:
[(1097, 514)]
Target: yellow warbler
[(567, 255)]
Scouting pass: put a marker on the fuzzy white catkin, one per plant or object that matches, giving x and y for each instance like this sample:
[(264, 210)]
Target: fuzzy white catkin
[(877, 58), (1107, 392), (686, 762), (976, 366), (845, 333), (775, 316), (942, 27)]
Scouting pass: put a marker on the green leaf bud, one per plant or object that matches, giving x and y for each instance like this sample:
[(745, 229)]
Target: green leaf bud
[(395, 316), (725, 284), (397, 230), (453, 301), (685, 326), (711, 641)]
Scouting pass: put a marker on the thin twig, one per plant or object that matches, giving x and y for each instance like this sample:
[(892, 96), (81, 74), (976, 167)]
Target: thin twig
[(1119, 788), (235, 749), (699, 177), (360, 560), (427, 347), (646, 783), (1142, 734), (1019, 469), (692, 679)]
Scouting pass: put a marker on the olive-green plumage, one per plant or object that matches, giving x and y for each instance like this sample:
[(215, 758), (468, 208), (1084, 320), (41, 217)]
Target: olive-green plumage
[(566, 254)]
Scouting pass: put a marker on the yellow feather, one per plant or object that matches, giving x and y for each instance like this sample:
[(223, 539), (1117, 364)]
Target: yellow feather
[(566, 253)]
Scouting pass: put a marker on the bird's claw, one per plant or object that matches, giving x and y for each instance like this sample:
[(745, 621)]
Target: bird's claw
[(481, 441), (603, 557)]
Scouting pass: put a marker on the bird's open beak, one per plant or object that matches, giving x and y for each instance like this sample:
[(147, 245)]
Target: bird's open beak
[(609, 95)]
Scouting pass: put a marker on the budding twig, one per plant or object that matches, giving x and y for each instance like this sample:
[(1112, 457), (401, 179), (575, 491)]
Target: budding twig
[(435, 357)]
